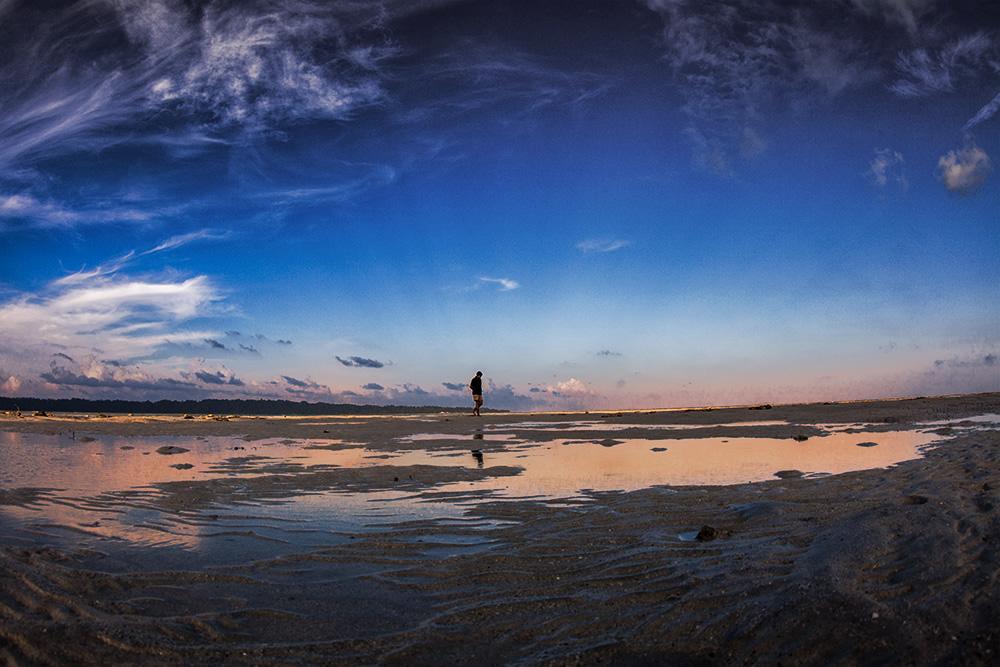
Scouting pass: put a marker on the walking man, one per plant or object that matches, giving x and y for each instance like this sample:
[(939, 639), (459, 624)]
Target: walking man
[(477, 391)]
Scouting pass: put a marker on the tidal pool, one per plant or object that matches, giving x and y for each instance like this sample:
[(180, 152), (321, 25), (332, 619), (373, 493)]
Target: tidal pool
[(210, 493)]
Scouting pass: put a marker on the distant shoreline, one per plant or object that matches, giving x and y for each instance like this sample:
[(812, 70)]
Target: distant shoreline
[(268, 407), (281, 407)]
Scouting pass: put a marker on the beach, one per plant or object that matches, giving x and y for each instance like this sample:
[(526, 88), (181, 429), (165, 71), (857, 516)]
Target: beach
[(887, 565)]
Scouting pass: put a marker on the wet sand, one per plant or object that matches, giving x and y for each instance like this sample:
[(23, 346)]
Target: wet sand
[(884, 566)]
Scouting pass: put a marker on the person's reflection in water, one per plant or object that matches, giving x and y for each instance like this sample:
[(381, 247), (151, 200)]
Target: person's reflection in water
[(478, 453)]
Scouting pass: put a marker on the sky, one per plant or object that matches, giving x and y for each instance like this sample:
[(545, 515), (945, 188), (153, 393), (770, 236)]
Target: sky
[(630, 204)]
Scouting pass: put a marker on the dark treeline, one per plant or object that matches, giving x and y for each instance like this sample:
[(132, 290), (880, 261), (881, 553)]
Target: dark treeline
[(212, 406)]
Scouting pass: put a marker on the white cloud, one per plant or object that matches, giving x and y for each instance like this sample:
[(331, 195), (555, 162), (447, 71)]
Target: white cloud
[(987, 112), (184, 239), (249, 66), (171, 75), (258, 63), (505, 283), (120, 316), (594, 245), (62, 112), (964, 171), (257, 67), (887, 167), (48, 214), (120, 263), (926, 72), (573, 387), (11, 386)]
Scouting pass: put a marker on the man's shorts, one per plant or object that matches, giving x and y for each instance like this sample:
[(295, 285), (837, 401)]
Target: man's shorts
[(477, 397)]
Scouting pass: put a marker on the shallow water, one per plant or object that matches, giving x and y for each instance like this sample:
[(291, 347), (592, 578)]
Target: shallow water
[(108, 490), (557, 468)]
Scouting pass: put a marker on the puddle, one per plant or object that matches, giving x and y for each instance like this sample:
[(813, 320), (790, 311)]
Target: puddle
[(107, 489), (978, 420), (557, 468), (110, 463), (598, 425), (487, 437), (565, 467)]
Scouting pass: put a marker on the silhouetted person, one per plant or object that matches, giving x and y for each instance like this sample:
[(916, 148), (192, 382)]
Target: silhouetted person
[(477, 391)]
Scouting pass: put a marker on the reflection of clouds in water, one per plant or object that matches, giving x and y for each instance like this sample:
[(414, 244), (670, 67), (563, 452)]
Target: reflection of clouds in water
[(110, 487), (121, 463), (605, 426), (981, 419)]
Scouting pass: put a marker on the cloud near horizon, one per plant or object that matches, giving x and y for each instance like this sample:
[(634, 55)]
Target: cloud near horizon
[(223, 376), (361, 362), (92, 373), (572, 387)]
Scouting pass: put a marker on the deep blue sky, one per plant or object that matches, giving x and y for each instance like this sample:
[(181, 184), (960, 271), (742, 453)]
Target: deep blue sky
[(600, 204)]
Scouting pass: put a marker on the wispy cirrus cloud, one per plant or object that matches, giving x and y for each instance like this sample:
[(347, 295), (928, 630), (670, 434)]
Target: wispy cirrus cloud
[(48, 213), (504, 284), (190, 237), (482, 74), (734, 63), (605, 245), (124, 316), (119, 263), (988, 111), (258, 65), (924, 71), (87, 77), (250, 66), (737, 63)]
